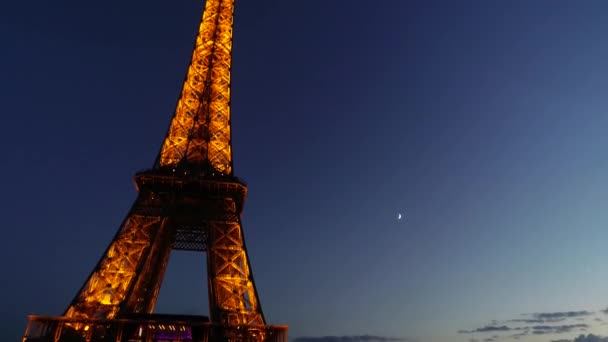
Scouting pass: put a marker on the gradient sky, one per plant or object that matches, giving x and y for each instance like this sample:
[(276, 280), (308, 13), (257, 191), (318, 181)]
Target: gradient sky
[(482, 122)]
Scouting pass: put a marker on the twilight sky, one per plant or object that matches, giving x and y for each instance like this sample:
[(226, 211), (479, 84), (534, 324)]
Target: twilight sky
[(482, 122)]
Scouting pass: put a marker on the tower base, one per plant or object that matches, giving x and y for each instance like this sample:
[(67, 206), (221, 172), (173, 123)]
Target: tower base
[(147, 328)]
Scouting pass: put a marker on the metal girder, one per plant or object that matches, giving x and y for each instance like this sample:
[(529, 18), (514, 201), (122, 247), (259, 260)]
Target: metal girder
[(175, 212), (190, 200), (151, 328), (200, 129), (129, 258), (231, 285)]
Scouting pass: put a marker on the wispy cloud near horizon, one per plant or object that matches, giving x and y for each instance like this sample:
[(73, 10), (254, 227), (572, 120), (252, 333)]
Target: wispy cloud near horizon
[(550, 317), (352, 338), (541, 323), (534, 329), (590, 338)]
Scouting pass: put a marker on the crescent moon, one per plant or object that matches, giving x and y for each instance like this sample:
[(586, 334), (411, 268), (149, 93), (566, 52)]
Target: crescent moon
[(399, 216)]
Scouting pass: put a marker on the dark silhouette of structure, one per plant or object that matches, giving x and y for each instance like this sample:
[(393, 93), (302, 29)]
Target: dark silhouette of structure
[(189, 200)]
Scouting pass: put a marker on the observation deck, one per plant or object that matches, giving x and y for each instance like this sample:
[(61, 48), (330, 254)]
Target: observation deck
[(147, 328)]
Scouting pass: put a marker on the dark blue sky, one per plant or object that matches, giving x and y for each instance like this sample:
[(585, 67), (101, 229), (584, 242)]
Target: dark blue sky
[(482, 122)]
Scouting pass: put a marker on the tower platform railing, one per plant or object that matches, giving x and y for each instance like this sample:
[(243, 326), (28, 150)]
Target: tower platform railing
[(65, 329)]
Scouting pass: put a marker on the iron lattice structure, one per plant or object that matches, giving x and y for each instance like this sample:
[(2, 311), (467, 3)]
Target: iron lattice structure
[(189, 200)]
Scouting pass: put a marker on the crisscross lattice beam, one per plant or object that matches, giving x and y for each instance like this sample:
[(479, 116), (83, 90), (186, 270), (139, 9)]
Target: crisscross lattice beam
[(110, 284), (200, 129)]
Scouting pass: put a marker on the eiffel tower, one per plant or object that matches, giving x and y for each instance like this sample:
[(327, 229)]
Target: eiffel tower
[(189, 200)]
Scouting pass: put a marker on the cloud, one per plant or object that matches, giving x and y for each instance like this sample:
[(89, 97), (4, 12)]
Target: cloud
[(534, 329), (487, 328), (540, 323), (552, 317), (520, 334), (558, 316), (590, 338), (356, 338), (557, 329), (528, 321)]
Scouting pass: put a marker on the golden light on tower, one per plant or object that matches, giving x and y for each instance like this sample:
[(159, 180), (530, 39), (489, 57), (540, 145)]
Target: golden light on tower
[(189, 200), (200, 129)]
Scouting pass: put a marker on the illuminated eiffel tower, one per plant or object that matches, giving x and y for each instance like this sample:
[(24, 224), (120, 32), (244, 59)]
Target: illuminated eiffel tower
[(189, 200)]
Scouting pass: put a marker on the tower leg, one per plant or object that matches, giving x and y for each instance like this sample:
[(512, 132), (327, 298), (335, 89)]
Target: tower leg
[(127, 278), (232, 294)]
